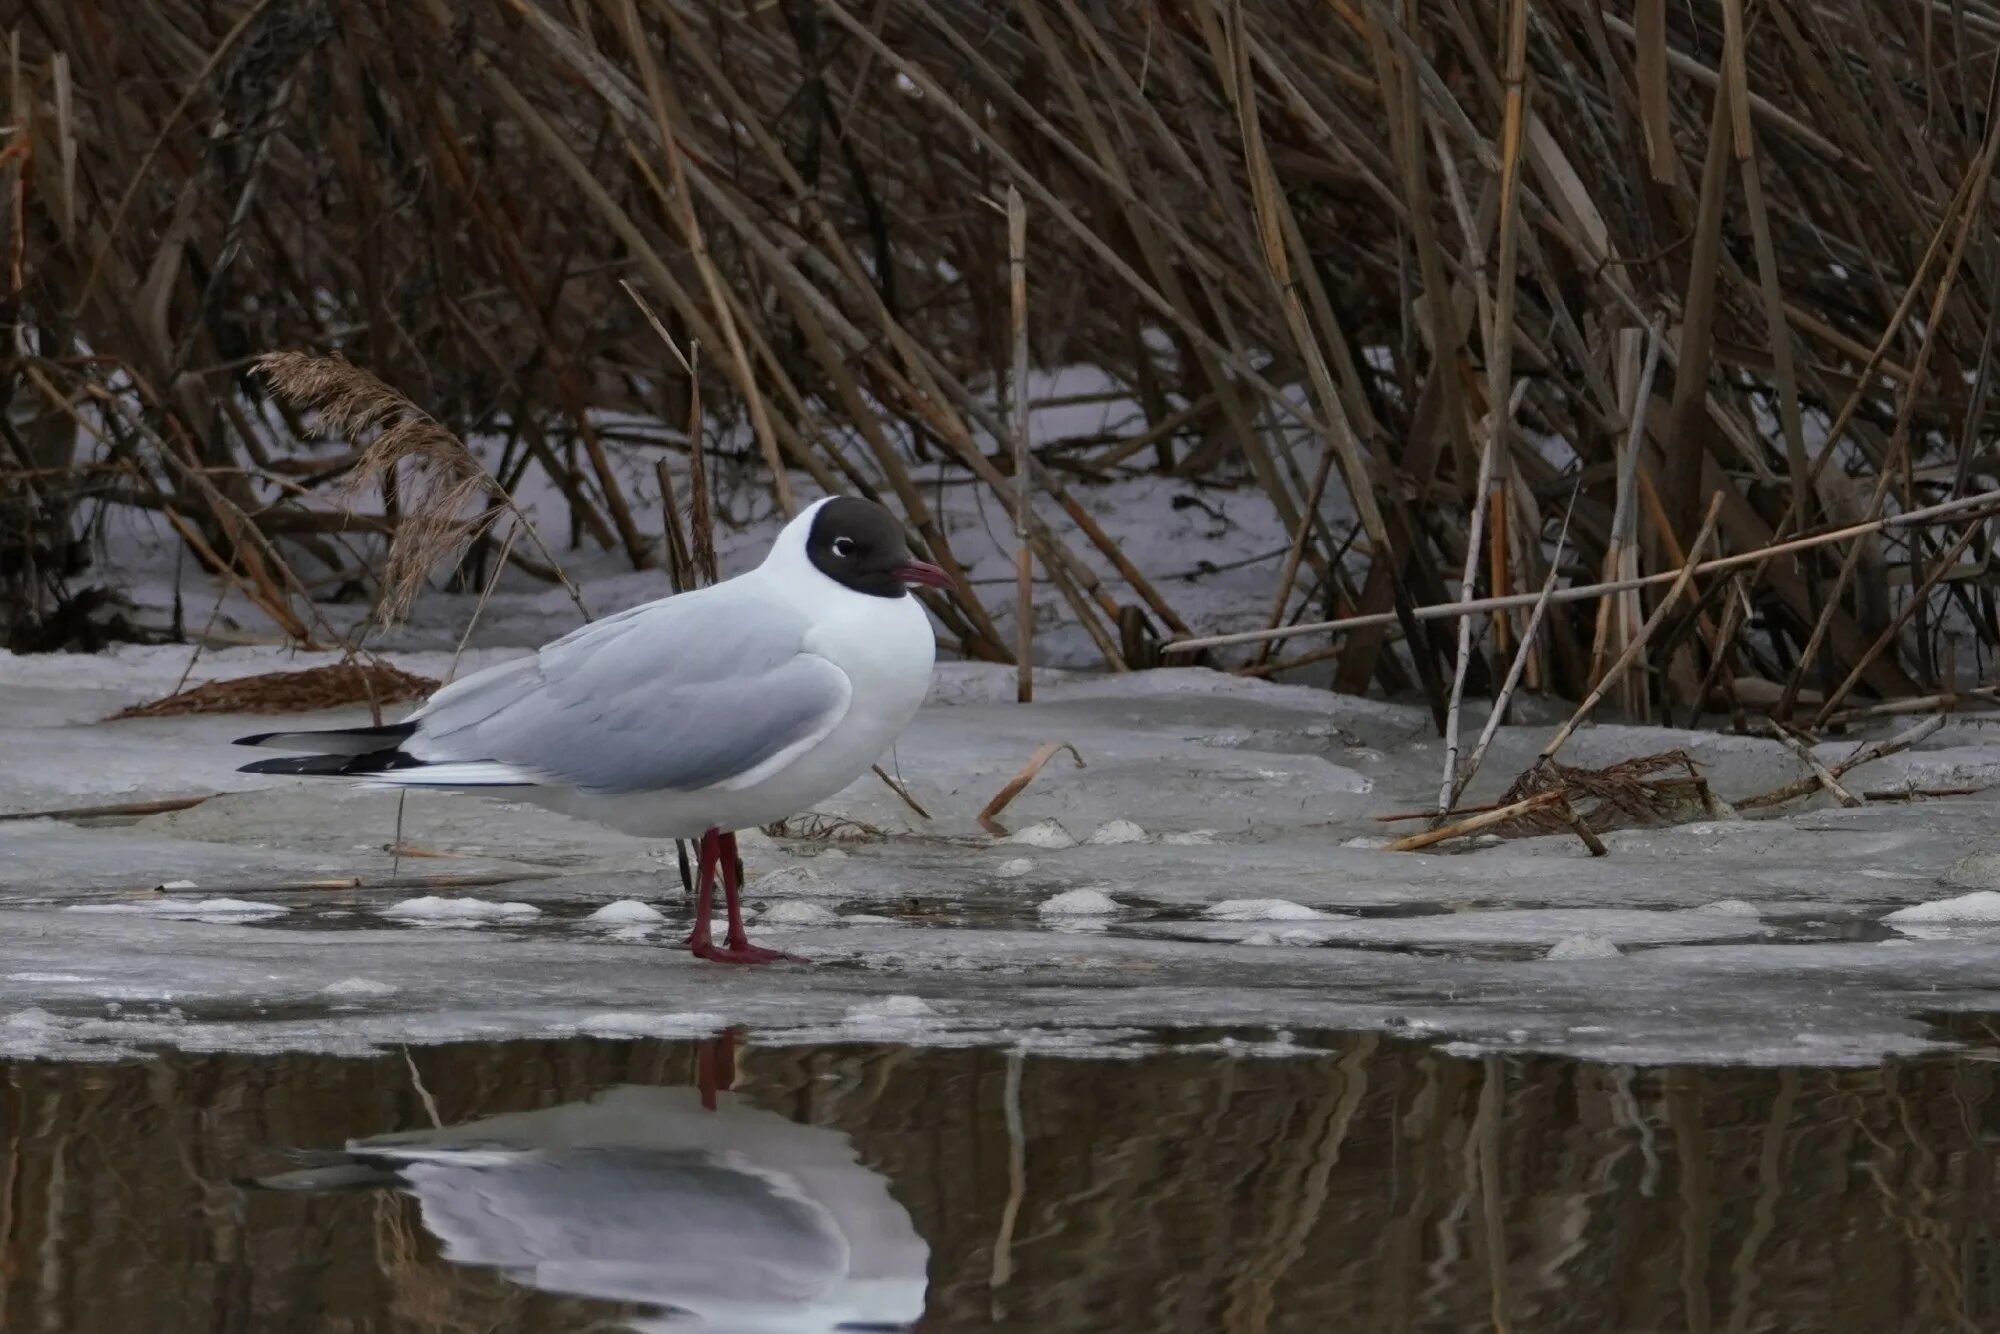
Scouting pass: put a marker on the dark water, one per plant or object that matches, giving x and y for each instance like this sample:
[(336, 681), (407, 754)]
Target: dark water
[(1376, 1185)]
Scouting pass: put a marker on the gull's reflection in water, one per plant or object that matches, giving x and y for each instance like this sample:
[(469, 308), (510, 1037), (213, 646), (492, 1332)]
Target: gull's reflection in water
[(690, 1201)]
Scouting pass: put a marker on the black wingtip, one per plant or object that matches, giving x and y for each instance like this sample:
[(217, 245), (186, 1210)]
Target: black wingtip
[(333, 766), (299, 764), (336, 740)]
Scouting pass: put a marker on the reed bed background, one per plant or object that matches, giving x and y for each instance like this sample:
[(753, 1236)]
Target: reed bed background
[(1443, 278)]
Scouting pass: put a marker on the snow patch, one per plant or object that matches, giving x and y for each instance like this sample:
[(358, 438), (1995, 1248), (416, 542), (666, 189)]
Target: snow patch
[(1117, 832), (1042, 834), (1014, 868), (1979, 906), (1079, 903), (626, 912)]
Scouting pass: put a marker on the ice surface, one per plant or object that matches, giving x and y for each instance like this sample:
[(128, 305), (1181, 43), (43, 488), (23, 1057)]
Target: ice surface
[(194, 908), (797, 914), (1261, 910), (1728, 908), (350, 987), (1736, 934), (435, 908), (1584, 947)]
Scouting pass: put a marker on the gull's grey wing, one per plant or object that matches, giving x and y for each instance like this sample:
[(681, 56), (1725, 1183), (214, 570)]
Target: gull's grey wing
[(689, 692)]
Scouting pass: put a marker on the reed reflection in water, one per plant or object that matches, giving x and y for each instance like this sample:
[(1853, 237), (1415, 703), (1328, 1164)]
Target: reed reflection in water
[(1377, 1185)]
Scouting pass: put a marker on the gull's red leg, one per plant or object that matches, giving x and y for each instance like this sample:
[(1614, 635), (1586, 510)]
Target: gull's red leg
[(704, 894), (737, 948)]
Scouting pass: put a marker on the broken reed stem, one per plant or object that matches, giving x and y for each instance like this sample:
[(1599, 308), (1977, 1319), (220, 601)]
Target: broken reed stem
[(125, 808), (1567, 814), (1638, 644), (1495, 438), (698, 548), (1823, 776), (901, 791), (1896, 623), (1945, 700), (1474, 824), (1021, 780), (1583, 592), (680, 564), (1864, 754), (1024, 573), (1295, 553), (1514, 669)]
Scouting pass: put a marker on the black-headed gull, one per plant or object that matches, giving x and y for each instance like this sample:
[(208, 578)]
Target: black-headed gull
[(725, 708), (738, 1217)]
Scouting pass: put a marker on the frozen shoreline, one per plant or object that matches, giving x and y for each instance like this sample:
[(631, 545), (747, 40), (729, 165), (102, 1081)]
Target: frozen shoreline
[(1203, 795)]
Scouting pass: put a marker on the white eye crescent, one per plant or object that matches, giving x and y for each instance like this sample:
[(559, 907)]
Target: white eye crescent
[(843, 546)]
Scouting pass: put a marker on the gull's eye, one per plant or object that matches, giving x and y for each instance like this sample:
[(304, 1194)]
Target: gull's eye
[(843, 546)]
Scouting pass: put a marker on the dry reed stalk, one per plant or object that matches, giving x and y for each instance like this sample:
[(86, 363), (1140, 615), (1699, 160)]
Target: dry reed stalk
[(1502, 394), (1914, 602), (1638, 644), (1585, 592), (1621, 554), (1288, 575), (1463, 779), (1024, 572), (1496, 433)]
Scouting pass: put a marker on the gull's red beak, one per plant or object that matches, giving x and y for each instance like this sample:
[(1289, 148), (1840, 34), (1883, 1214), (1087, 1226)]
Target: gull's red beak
[(922, 572)]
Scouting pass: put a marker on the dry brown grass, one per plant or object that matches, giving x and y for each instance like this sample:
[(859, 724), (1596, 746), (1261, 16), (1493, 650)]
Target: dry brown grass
[(331, 687), (437, 481), (1644, 790)]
